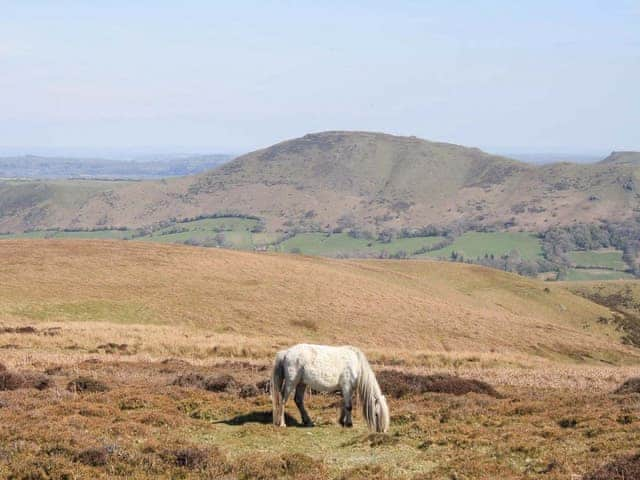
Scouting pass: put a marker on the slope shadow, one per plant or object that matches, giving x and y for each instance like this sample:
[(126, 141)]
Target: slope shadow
[(264, 417)]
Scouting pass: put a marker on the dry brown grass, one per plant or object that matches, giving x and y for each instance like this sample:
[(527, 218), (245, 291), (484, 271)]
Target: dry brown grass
[(240, 297), (199, 433)]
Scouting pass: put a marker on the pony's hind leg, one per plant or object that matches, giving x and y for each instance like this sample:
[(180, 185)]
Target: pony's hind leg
[(287, 388), (299, 399)]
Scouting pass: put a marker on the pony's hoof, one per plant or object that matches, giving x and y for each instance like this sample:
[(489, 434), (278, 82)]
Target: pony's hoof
[(309, 424), (348, 424)]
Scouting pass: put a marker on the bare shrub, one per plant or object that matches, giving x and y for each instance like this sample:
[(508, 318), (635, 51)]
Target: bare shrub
[(87, 384), (95, 457), (287, 465), (366, 472), (264, 386), (114, 347), (133, 403), (305, 323), (172, 365), (567, 423), (38, 381), (11, 380), (196, 458), (26, 329), (189, 380), (14, 380), (222, 383), (623, 468), (249, 390), (399, 384), (632, 385)]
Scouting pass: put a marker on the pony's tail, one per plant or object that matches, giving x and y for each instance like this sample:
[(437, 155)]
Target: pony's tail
[(374, 405), (277, 381)]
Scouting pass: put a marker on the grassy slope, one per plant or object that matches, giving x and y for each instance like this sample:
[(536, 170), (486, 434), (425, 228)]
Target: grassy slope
[(377, 304), (625, 295)]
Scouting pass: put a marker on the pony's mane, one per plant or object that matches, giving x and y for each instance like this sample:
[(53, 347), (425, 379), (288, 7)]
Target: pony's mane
[(369, 394)]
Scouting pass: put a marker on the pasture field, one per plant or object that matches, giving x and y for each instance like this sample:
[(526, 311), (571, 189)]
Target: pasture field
[(609, 259), (479, 244), (332, 245), (241, 233), (136, 360), (590, 274)]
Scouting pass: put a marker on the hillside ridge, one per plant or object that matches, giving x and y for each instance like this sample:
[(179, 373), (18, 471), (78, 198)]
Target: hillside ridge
[(363, 180)]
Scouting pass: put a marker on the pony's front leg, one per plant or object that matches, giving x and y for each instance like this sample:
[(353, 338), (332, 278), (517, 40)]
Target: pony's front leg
[(299, 399), (347, 406)]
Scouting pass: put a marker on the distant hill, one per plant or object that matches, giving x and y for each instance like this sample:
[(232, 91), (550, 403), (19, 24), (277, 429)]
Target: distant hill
[(622, 158), (30, 166), (354, 180)]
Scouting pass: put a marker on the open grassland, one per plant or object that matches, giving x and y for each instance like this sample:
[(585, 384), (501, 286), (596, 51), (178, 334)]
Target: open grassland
[(610, 259), (472, 245), (114, 356)]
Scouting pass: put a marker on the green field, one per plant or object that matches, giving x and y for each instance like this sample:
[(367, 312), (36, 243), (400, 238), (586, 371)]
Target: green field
[(585, 274), (233, 232), (611, 259), (476, 244), (343, 243)]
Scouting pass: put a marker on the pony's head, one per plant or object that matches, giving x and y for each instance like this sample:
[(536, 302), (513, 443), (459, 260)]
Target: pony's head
[(381, 414)]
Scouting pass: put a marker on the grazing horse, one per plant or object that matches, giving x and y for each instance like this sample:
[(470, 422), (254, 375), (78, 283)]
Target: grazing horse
[(327, 369)]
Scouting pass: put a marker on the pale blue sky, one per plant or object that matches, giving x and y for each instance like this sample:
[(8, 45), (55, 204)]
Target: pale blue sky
[(559, 76)]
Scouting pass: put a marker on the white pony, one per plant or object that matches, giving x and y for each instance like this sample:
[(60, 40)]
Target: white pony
[(327, 369)]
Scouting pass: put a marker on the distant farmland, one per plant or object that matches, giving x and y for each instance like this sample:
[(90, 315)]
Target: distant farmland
[(247, 233)]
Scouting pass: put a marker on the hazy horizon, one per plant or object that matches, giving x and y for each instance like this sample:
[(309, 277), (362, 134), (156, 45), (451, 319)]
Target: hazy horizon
[(201, 77), (144, 153)]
